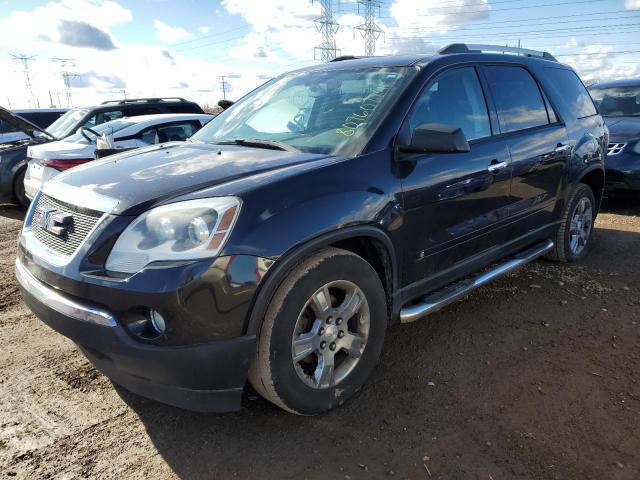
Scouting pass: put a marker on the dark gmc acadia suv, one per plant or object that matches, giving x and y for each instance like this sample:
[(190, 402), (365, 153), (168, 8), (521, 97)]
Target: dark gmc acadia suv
[(281, 241)]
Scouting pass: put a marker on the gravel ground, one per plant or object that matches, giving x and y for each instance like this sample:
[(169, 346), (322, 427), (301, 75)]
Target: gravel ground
[(533, 377)]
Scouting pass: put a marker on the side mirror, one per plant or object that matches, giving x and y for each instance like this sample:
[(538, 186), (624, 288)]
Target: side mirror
[(436, 138), (224, 104)]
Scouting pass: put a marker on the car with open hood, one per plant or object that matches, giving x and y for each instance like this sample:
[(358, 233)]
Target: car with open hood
[(619, 103), (42, 117), (13, 155), (280, 242), (48, 160)]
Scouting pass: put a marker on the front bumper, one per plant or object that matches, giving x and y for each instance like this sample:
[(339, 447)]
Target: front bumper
[(202, 377)]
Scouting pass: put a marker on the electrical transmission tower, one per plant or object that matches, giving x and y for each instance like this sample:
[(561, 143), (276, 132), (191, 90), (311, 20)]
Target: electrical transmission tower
[(67, 76), (223, 86), (24, 60), (370, 30), (327, 50)]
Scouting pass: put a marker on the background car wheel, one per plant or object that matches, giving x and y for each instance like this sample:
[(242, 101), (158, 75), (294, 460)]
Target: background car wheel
[(573, 239), (322, 334), (18, 189)]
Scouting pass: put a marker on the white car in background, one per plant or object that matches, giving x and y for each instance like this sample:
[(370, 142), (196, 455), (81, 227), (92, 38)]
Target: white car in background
[(48, 160)]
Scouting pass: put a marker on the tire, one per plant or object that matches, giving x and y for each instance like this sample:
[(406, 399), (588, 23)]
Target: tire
[(564, 250), (18, 189), (296, 324)]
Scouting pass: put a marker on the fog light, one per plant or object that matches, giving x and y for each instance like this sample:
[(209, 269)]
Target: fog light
[(157, 321)]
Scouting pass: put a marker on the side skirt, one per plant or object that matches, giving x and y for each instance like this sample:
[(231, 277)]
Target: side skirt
[(452, 292)]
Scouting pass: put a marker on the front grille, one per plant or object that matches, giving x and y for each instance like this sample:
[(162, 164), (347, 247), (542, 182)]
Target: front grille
[(83, 221), (615, 148)]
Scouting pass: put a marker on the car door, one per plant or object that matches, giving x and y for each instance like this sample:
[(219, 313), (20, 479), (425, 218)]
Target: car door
[(453, 202), (538, 144)]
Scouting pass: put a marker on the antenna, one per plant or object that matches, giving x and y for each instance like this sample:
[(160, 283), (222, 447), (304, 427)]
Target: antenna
[(66, 76), (24, 60), (370, 30), (327, 27)]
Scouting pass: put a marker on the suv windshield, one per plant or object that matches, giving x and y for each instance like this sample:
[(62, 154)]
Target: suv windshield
[(617, 101), (315, 111), (67, 123)]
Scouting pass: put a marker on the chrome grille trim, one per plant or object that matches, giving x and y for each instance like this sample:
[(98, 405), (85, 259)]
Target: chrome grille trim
[(615, 148), (84, 221)]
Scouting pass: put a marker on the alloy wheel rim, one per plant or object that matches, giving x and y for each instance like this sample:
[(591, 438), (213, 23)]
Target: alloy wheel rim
[(581, 225), (330, 334)]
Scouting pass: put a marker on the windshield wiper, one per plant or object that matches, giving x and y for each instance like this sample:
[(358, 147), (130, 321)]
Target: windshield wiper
[(255, 142)]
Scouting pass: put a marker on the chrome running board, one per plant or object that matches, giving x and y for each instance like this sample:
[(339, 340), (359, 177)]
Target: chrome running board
[(435, 301)]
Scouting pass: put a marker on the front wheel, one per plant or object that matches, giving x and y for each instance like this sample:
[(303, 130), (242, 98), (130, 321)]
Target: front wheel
[(573, 239), (18, 189), (322, 334)]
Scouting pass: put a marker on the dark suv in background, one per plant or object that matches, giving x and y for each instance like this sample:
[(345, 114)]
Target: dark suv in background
[(618, 102), (280, 242), (89, 117)]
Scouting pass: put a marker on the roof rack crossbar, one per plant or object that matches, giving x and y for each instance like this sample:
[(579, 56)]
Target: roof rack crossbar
[(145, 100), (474, 48)]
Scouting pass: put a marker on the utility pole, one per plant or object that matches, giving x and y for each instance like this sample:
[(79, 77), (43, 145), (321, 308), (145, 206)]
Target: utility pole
[(327, 50), (66, 76), (24, 60), (370, 30), (223, 86)]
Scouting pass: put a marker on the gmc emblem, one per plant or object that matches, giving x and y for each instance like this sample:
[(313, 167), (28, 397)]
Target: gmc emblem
[(52, 221)]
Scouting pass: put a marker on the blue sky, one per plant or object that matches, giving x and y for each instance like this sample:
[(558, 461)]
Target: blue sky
[(162, 47)]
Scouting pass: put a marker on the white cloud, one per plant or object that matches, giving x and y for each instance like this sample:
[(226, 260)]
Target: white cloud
[(205, 29), (421, 17), (632, 4), (169, 34), (596, 63)]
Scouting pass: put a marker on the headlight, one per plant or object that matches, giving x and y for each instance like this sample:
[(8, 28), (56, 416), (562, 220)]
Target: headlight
[(636, 148), (179, 231)]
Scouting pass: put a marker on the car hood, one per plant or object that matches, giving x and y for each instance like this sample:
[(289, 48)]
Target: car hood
[(622, 129), (132, 182), (21, 124)]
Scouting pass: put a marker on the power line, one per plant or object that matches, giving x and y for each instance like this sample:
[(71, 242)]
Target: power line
[(369, 29), (505, 9), (328, 28)]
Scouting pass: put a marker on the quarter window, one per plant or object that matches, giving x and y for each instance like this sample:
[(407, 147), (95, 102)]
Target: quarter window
[(455, 98), (517, 97), (570, 88)]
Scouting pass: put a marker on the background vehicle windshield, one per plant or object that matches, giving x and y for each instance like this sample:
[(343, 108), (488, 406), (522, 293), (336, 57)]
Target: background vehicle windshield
[(109, 127), (67, 123), (618, 101), (320, 112)]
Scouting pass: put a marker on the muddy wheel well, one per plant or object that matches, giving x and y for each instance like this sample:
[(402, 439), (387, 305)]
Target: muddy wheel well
[(374, 252), (595, 180)]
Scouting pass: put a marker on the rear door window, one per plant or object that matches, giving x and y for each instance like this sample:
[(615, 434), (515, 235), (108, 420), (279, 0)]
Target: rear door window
[(570, 88), (518, 98), (176, 132), (455, 98), (132, 112)]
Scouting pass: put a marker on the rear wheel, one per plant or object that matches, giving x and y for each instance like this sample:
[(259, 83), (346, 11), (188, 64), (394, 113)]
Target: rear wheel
[(18, 189), (322, 334), (573, 239)]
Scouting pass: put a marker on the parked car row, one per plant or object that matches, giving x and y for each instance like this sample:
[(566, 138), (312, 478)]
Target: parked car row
[(278, 243), (75, 126)]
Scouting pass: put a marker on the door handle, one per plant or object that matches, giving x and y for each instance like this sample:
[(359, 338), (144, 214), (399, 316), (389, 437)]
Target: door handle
[(562, 148), (497, 166)]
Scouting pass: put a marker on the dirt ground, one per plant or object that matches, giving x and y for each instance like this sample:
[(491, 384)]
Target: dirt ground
[(534, 377)]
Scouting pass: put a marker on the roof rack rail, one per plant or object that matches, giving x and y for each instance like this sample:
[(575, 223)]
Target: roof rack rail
[(344, 57), (145, 100), (473, 48)]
